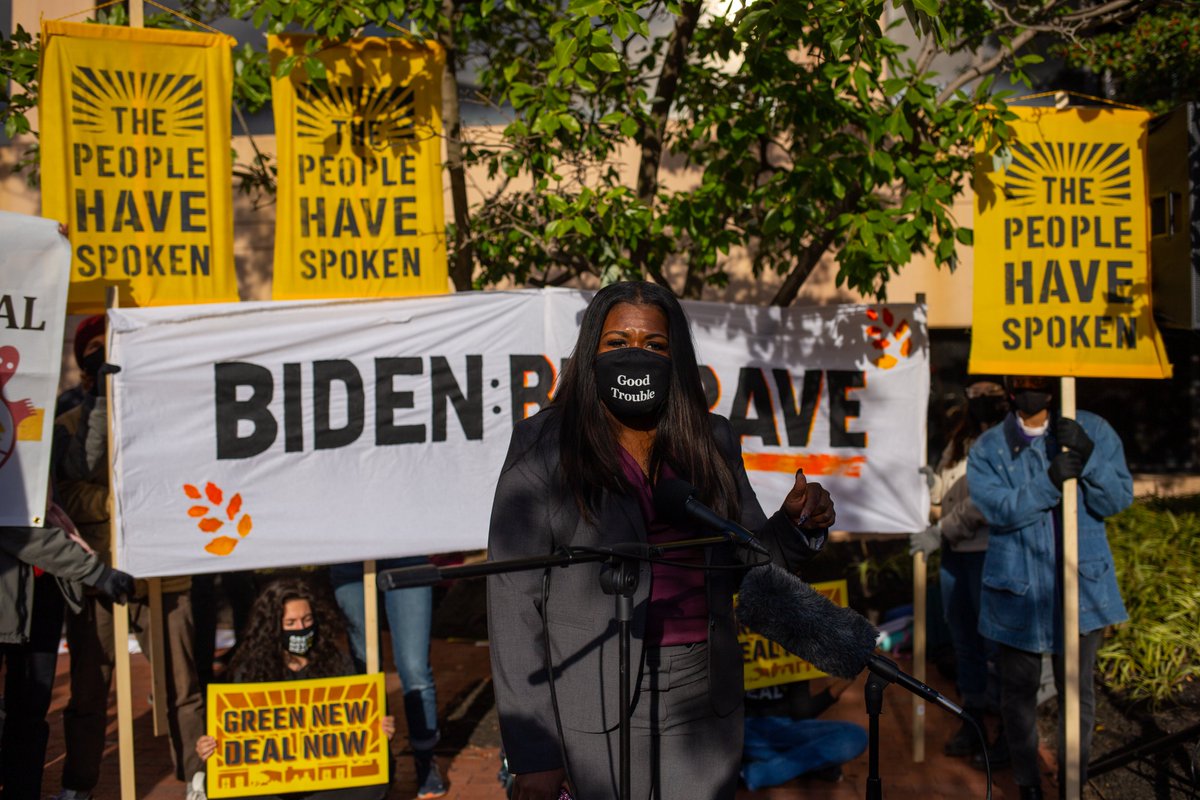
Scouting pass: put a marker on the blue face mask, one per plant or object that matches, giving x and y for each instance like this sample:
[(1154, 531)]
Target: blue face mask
[(299, 640), (632, 381)]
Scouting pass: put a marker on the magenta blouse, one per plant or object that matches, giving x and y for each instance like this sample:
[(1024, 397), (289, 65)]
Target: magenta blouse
[(678, 610)]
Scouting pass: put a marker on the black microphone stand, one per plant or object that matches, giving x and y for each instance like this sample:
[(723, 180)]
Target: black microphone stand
[(619, 578), (874, 695), (883, 673)]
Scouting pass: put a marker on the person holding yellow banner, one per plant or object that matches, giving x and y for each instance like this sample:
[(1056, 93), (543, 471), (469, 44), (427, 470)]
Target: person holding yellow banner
[(293, 633), (1015, 473)]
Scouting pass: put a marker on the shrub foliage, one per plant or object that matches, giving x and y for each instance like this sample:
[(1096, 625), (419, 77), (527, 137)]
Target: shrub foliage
[(1156, 544)]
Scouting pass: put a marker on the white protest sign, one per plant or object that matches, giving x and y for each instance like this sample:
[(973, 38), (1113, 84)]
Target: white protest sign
[(273, 434), (35, 264)]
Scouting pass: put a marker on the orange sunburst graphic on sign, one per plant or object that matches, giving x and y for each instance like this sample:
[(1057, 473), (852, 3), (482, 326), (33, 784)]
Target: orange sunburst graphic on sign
[(210, 521), (891, 336), (170, 104), (1096, 173), (366, 116)]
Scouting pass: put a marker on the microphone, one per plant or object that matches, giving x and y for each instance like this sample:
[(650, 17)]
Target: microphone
[(778, 605), (408, 577), (675, 501)]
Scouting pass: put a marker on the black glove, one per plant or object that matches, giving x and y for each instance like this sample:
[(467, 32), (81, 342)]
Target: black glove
[(116, 584), (1072, 436), (105, 370), (1065, 465)]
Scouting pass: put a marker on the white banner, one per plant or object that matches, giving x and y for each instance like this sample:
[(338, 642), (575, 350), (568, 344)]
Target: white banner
[(35, 264), (275, 434)]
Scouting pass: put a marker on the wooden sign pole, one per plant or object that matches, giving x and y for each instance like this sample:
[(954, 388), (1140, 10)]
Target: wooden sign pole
[(120, 612), (920, 577), (121, 668), (158, 663), (1070, 535), (920, 610), (371, 616)]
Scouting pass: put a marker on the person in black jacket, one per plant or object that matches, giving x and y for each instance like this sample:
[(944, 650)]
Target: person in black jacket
[(629, 411), (40, 572)]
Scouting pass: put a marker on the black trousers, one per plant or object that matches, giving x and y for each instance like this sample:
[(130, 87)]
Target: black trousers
[(28, 684), (1020, 677)]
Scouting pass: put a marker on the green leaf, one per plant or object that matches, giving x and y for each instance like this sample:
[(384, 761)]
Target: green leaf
[(606, 62), (929, 7)]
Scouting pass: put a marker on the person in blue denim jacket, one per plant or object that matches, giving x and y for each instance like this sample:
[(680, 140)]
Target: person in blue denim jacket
[(1015, 474)]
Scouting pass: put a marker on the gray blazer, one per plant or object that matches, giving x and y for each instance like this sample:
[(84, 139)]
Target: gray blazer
[(535, 514)]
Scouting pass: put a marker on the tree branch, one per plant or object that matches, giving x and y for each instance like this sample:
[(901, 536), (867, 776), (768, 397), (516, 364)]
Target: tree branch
[(464, 261), (1018, 41), (804, 266), (655, 132)]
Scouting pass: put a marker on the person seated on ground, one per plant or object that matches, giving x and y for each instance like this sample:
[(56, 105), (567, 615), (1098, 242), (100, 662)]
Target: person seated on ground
[(784, 740), (292, 634)]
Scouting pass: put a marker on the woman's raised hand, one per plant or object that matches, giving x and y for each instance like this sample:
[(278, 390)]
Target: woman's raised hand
[(808, 504)]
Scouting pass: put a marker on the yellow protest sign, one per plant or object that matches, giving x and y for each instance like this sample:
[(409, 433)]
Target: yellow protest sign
[(765, 663), (360, 174), (135, 159), (1062, 265), (296, 736)]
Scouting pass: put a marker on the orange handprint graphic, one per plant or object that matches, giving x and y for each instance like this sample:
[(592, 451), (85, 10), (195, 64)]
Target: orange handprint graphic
[(210, 516), (883, 332)]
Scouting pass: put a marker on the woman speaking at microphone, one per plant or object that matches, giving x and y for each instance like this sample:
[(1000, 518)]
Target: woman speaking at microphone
[(629, 412)]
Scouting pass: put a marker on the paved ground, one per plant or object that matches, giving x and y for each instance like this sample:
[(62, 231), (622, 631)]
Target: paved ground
[(469, 754)]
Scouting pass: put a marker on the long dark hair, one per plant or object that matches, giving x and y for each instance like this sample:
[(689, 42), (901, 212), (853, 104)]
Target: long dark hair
[(966, 430), (684, 437), (260, 655), (966, 426)]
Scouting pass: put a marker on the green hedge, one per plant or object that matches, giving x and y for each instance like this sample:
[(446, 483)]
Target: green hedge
[(1156, 544)]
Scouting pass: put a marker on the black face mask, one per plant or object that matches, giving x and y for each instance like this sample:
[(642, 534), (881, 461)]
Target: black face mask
[(299, 641), (988, 409), (633, 382), (91, 363), (1031, 401)]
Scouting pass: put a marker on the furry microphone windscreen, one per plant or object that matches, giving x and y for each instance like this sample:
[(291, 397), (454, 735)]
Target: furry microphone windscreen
[(776, 604)]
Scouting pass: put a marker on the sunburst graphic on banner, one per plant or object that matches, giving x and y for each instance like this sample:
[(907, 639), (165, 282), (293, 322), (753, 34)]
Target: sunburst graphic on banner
[(1062, 172), (126, 102), (371, 118)]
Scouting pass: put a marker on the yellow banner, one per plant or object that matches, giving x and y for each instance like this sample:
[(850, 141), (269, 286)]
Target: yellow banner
[(296, 736), (765, 663), (1062, 256), (360, 173), (135, 159)]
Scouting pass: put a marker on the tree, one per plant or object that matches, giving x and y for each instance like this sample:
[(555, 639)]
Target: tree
[(802, 127), (1155, 61)]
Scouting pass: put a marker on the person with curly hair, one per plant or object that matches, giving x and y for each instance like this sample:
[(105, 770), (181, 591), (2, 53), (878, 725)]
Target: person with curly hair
[(292, 634)]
